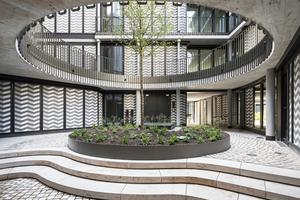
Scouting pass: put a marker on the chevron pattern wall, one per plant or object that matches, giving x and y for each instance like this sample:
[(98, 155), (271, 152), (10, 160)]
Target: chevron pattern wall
[(204, 120), (130, 104), (88, 62), (100, 108), (89, 20), (27, 107), (74, 108), (249, 107), (75, 59), (182, 15), (76, 21), (224, 108), (147, 63), (158, 62), (171, 64), (53, 107), (62, 24), (183, 50), (297, 101), (5, 106), (173, 112), (174, 19), (91, 106), (130, 66), (290, 106), (49, 24), (183, 108)]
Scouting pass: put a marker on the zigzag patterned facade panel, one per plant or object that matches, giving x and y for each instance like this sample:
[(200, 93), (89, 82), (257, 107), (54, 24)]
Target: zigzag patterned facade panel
[(5, 106), (224, 109), (49, 24), (89, 62), (249, 107), (183, 50), (89, 20), (290, 104), (74, 108), (100, 108), (53, 108), (62, 24), (91, 108), (173, 20), (147, 63), (171, 60), (183, 108), (182, 16), (130, 66), (27, 107), (129, 104), (297, 101), (158, 62), (173, 111), (76, 21)]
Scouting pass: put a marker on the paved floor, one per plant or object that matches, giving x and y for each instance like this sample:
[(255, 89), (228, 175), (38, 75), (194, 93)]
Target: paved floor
[(242, 143)]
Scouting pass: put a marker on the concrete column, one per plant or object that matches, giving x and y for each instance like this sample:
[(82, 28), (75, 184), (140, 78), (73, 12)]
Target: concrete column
[(178, 18), (98, 18), (178, 107), (178, 56), (138, 107), (98, 55), (229, 51), (229, 108), (270, 107), (138, 65)]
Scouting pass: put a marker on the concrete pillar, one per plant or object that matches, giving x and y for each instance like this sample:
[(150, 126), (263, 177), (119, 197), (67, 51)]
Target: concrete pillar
[(138, 64), (178, 56), (138, 107), (177, 107), (229, 108), (178, 18), (98, 55), (229, 51), (98, 17), (270, 107)]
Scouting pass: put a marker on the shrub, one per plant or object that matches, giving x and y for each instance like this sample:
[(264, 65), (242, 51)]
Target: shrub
[(101, 138), (188, 135), (207, 133), (154, 128), (114, 130), (218, 134), (171, 141), (136, 127), (213, 138), (160, 139), (175, 138), (200, 140), (119, 128), (101, 127), (187, 130), (133, 135), (194, 136), (163, 131), (104, 130), (88, 137), (186, 139), (83, 132), (75, 133), (128, 127), (145, 140), (124, 140)]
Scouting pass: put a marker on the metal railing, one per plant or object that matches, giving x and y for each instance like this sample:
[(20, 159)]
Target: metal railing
[(181, 25), (52, 55)]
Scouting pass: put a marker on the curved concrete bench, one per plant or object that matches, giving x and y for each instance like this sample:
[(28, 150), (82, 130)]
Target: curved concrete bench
[(127, 152)]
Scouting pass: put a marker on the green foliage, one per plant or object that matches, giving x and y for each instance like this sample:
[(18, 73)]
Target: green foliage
[(218, 134), (200, 140), (75, 133), (119, 128), (196, 128), (124, 140), (101, 127), (160, 139), (133, 135), (112, 137), (212, 128), (83, 132), (213, 138), (154, 128), (207, 133), (104, 130), (187, 130), (101, 138), (188, 135), (163, 131), (171, 141), (128, 127), (146, 138), (111, 127), (186, 139), (175, 138), (114, 130), (194, 136), (136, 127), (88, 137)]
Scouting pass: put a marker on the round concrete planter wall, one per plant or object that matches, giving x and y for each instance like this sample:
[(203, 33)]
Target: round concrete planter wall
[(127, 152)]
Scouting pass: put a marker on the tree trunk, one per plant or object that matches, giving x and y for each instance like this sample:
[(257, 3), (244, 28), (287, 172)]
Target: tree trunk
[(142, 92)]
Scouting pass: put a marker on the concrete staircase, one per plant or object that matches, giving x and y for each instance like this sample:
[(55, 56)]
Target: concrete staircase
[(192, 178)]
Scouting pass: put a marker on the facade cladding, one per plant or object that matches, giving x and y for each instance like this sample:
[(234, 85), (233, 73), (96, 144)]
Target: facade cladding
[(28, 106)]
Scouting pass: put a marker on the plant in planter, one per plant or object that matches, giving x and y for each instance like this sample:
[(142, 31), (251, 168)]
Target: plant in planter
[(75, 133), (200, 140), (160, 139), (186, 139), (163, 131), (124, 140), (133, 135), (101, 138)]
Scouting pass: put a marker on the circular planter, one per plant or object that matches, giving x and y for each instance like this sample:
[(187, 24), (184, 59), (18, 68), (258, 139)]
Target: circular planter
[(128, 152)]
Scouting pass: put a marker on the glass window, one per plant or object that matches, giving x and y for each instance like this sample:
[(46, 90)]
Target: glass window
[(112, 59), (220, 56), (205, 20), (108, 107), (220, 21), (106, 59), (205, 59), (113, 107), (191, 112), (239, 108), (192, 60), (192, 19), (264, 108), (257, 106), (118, 62)]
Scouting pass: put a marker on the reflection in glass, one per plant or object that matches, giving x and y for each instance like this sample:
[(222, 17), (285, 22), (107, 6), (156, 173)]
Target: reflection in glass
[(106, 59), (113, 107), (119, 106), (220, 56), (192, 60), (205, 20), (239, 108), (205, 59), (220, 21), (257, 106), (264, 108), (117, 57), (108, 107), (192, 19), (191, 112)]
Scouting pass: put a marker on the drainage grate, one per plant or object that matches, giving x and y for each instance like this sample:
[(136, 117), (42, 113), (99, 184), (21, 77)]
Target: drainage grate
[(281, 144), (281, 153), (260, 137), (251, 154)]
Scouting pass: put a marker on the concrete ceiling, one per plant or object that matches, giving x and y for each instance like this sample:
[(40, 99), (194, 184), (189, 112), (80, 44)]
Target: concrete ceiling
[(196, 96), (279, 17)]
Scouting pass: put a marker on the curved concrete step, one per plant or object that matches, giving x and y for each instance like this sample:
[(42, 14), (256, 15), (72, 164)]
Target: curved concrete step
[(235, 183), (107, 190), (285, 176)]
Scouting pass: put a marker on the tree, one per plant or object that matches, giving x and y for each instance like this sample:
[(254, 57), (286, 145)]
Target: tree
[(142, 26)]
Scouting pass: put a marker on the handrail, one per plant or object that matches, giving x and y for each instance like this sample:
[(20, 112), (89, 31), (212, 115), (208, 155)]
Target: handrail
[(50, 54)]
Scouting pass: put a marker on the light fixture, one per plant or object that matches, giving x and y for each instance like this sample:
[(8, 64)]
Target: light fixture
[(259, 27), (90, 6), (208, 8), (177, 4), (160, 2), (245, 19), (234, 15), (62, 12), (141, 2), (75, 9), (107, 4), (223, 12), (147, 95), (167, 95), (193, 5), (41, 20), (50, 16), (33, 24), (124, 3)]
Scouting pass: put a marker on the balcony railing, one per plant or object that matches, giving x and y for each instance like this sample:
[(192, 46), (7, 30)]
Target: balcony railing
[(181, 25), (52, 55)]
